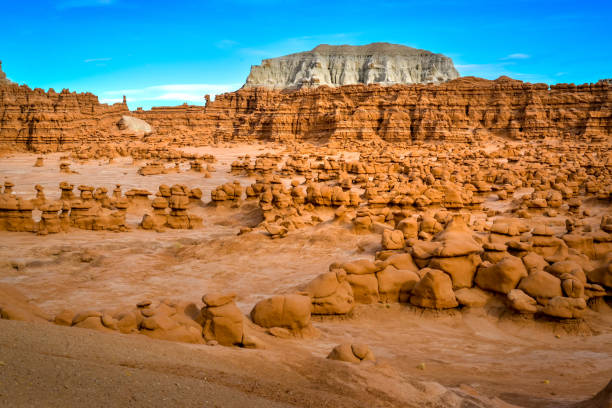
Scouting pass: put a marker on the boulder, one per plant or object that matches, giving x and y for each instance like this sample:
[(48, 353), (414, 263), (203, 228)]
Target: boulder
[(134, 125), (534, 262), (393, 239), (472, 297), (434, 290), (602, 275), (331, 293), (565, 307), (365, 287), (567, 268), (395, 285), (541, 284), (503, 276), (572, 287), (461, 269), (291, 312), (522, 302), (360, 267), (457, 239), (352, 353), (409, 227), (400, 261)]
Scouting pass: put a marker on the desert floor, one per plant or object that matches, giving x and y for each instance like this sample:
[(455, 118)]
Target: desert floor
[(482, 351)]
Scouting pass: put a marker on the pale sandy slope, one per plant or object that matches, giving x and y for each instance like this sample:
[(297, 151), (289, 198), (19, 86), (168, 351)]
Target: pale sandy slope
[(43, 365)]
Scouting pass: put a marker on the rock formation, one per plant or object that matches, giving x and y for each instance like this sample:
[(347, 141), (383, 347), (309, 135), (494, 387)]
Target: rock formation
[(462, 110), (40, 120), (352, 353), (337, 65), (3, 79), (134, 125)]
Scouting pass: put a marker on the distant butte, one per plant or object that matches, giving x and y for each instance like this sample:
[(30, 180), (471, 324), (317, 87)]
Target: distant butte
[(337, 65)]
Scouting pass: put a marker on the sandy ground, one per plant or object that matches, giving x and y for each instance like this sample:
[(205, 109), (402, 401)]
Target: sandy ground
[(520, 361)]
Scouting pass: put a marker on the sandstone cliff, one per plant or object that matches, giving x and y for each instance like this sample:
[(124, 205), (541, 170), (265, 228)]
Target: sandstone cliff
[(464, 109), (377, 63), (40, 120), (461, 110)]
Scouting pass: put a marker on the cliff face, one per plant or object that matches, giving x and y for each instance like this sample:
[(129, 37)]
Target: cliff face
[(461, 110), (377, 63), (40, 120)]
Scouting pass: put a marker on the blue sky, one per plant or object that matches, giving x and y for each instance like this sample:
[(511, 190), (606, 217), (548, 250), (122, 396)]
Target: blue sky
[(169, 52)]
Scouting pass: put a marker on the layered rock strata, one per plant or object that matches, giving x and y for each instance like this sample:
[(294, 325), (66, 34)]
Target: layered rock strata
[(39, 120), (462, 110), (337, 65)]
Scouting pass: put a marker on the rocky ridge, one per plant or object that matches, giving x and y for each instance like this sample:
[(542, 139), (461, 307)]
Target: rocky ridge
[(462, 110)]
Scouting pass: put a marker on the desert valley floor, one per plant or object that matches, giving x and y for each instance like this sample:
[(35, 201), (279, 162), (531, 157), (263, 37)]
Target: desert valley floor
[(485, 355)]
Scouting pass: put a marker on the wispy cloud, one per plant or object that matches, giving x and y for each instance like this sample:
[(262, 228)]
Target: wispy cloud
[(96, 60), (225, 44), (517, 56), (173, 94)]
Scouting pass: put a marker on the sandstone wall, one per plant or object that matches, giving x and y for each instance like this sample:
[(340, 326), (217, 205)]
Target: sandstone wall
[(464, 109), (39, 120)]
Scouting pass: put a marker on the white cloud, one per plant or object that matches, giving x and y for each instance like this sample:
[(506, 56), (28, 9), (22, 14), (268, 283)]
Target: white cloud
[(96, 60), (517, 56), (168, 94)]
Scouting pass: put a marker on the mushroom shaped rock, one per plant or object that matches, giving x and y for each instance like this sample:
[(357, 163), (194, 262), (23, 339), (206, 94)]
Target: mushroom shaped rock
[(222, 320)]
